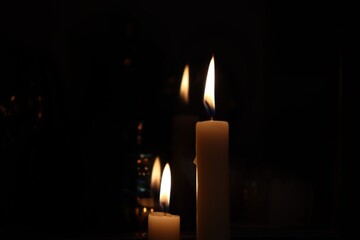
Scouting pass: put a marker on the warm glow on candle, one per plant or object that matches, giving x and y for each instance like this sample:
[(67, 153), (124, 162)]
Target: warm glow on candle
[(165, 186), (209, 93), (184, 87), (156, 175)]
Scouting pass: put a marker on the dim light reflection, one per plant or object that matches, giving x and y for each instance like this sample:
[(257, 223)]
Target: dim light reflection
[(143, 211)]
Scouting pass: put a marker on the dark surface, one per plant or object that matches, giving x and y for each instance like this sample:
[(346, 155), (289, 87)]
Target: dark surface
[(94, 69)]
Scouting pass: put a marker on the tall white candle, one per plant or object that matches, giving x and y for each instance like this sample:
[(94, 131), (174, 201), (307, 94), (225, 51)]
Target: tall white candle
[(212, 170), (162, 225)]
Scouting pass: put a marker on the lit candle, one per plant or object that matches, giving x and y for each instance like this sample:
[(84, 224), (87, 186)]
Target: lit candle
[(183, 151), (212, 170), (163, 225)]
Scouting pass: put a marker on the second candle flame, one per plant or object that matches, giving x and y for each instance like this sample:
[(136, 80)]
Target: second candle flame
[(156, 175), (184, 87), (209, 93)]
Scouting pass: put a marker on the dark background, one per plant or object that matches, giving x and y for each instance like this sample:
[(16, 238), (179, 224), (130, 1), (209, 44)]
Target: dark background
[(77, 76)]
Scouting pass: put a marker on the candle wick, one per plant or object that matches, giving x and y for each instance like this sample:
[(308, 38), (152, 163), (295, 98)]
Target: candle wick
[(209, 110), (164, 207)]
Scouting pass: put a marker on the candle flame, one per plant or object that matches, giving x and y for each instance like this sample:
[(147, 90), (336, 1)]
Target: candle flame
[(156, 175), (209, 93), (184, 87), (165, 186)]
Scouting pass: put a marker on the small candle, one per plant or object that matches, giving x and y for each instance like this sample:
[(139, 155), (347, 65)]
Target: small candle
[(212, 170), (163, 225)]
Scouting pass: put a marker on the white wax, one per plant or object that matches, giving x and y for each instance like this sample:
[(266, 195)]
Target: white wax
[(163, 226), (212, 173)]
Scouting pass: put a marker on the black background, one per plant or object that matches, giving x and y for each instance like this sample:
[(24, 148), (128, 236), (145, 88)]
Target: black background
[(95, 68)]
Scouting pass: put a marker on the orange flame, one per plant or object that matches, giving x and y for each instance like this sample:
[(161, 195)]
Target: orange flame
[(184, 87)]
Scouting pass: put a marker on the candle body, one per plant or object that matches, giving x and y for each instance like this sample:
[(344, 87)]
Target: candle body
[(183, 142), (183, 152), (163, 226), (212, 177)]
